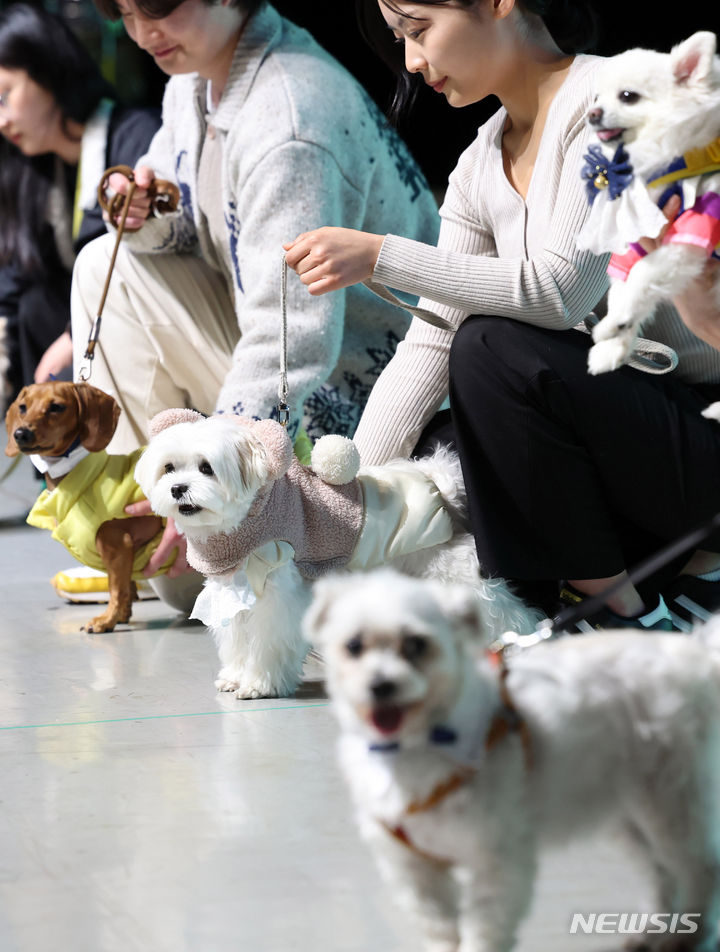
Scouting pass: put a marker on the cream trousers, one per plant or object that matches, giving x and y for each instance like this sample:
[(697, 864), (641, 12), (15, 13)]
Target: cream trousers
[(167, 334)]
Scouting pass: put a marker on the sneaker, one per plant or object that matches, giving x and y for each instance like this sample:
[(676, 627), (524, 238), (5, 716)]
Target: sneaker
[(659, 619), (692, 600), (83, 584)]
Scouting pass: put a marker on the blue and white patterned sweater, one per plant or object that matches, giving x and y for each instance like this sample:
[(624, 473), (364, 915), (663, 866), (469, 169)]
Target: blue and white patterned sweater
[(303, 146)]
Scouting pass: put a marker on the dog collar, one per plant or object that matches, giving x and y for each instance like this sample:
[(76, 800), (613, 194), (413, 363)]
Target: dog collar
[(601, 173), (440, 734), (615, 174), (57, 466)]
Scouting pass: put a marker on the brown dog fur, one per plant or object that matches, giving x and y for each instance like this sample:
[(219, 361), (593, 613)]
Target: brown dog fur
[(47, 418)]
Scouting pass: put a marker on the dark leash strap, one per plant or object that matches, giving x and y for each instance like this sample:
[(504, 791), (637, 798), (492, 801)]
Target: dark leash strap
[(639, 573)]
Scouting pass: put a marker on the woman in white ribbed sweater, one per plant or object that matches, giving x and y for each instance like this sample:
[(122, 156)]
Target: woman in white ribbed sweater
[(569, 477)]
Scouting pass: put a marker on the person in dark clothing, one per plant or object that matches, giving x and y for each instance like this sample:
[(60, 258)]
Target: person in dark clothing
[(62, 128)]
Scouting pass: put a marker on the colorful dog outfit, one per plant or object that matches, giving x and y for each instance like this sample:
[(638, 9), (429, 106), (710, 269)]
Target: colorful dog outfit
[(625, 209), (95, 490), (370, 517)]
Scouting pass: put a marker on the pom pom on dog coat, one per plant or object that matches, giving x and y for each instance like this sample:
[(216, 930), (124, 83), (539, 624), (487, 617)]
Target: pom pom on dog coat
[(335, 459)]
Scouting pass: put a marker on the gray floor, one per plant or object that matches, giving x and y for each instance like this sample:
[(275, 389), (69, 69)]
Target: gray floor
[(143, 812)]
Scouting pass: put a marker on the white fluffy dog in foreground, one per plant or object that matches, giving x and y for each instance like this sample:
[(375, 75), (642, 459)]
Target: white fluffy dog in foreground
[(657, 120), (262, 527), (458, 776)]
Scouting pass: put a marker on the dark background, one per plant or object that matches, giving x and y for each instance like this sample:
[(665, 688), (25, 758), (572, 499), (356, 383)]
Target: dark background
[(435, 132)]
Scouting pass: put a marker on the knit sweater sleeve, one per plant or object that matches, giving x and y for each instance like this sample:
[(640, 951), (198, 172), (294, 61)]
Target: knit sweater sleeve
[(553, 286), (171, 232), (296, 186), (496, 255)]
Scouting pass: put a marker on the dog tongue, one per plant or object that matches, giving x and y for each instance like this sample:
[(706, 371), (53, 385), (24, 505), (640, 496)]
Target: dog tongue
[(387, 719), (608, 134)]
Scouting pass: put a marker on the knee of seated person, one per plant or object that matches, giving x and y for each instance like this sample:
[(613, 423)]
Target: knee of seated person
[(475, 338), (92, 262)]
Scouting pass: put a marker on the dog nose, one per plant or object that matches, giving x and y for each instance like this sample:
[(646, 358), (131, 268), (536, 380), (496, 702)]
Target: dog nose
[(382, 689), (178, 490), (595, 116), (23, 435)]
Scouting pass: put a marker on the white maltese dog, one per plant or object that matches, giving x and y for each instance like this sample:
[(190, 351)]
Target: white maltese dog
[(657, 120), (261, 528), (459, 773)]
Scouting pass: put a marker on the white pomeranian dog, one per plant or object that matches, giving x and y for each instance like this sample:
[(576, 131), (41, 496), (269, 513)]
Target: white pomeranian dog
[(461, 767), (261, 528), (657, 121)]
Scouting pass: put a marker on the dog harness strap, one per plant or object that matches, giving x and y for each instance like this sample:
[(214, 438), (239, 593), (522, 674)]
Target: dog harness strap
[(694, 162), (507, 720), (437, 795), (444, 789), (400, 834)]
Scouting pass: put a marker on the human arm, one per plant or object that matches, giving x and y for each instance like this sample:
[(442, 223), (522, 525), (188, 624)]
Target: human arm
[(164, 158), (698, 305), (553, 284), (56, 358), (329, 259), (294, 184), (171, 540)]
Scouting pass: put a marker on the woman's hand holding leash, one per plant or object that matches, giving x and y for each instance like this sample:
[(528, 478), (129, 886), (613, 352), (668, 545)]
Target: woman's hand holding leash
[(171, 539), (139, 209), (149, 194), (329, 259)]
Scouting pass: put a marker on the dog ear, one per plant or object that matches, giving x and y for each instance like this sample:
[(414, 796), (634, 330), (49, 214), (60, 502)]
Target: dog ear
[(277, 445), (161, 421), (98, 414), (12, 421), (692, 60)]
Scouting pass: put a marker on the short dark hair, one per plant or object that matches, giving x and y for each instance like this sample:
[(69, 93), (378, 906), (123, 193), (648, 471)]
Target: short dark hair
[(573, 24), (44, 46), (157, 9)]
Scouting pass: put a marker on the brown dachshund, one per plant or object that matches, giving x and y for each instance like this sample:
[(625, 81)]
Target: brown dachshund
[(52, 419)]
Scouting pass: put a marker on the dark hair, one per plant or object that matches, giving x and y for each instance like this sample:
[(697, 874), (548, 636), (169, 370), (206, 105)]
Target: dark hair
[(157, 9), (46, 48), (573, 24), (24, 190)]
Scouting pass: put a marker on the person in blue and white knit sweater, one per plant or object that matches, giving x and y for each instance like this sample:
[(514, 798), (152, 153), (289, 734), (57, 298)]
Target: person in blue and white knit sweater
[(266, 135)]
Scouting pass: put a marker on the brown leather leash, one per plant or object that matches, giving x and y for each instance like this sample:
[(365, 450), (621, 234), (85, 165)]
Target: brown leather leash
[(164, 198)]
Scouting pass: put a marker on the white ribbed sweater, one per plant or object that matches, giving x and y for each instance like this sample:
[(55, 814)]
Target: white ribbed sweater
[(499, 254)]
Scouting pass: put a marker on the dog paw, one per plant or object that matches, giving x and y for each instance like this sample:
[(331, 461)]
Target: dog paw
[(607, 355), (226, 683), (101, 624), (712, 412), (257, 689)]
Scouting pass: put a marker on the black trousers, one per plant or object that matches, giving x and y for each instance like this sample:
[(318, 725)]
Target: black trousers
[(570, 475)]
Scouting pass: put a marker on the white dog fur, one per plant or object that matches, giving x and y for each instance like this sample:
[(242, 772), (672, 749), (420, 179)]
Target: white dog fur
[(623, 727), (224, 466), (659, 106)]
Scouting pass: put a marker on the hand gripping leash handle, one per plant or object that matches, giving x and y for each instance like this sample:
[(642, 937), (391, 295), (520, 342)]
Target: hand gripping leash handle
[(164, 197)]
